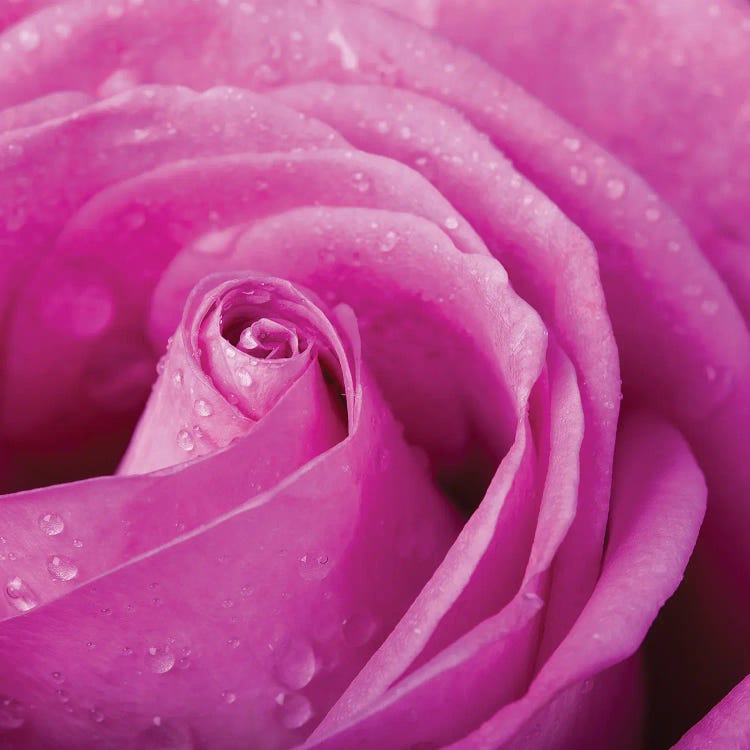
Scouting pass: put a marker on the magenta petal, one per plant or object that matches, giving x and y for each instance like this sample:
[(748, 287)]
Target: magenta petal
[(241, 626), (726, 725), (657, 509), (191, 413)]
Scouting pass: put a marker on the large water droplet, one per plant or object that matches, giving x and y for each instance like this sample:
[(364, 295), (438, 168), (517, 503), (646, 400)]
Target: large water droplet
[(12, 713), (296, 666), (295, 710), (359, 629), (20, 595), (51, 524), (62, 568), (451, 222), (159, 659), (314, 567)]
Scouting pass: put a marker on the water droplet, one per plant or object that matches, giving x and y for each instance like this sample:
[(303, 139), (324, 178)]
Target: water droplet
[(62, 695), (652, 214), (244, 378), (295, 710), (579, 175), (360, 182), (51, 524), (29, 38), (177, 378), (185, 441), (77, 543), (81, 305), (159, 659), (359, 629), (388, 242), (90, 645), (296, 666), (572, 144), (710, 306), (451, 222), (62, 568), (12, 713), (314, 567), (614, 188), (405, 132), (233, 642), (164, 735), (673, 246), (20, 595), (203, 408), (58, 677), (228, 697), (227, 604), (96, 715)]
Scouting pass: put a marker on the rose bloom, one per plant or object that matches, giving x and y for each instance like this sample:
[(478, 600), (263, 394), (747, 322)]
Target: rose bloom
[(368, 369)]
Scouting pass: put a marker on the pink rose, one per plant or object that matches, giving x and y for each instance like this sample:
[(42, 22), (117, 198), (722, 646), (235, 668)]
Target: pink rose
[(314, 325)]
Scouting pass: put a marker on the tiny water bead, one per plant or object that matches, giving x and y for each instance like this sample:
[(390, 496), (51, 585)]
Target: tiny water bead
[(20, 595), (62, 568), (51, 524), (228, 697)]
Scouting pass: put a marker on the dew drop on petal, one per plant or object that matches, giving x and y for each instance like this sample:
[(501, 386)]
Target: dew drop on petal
[(359, 629), (12, 713), (296, 666), (229, 697), (295, 710), (314, 567), (451, 222), (203, 408), (185, 441), (614, 188), (579, 175), (20, 595), (51, 524), (29, 38), (61, 568), (164, 735), (159, 659), (244, 378)]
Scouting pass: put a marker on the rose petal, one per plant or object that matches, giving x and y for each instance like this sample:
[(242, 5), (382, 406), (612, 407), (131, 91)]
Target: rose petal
[(204, 659), (727, 724), (190, 415)]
